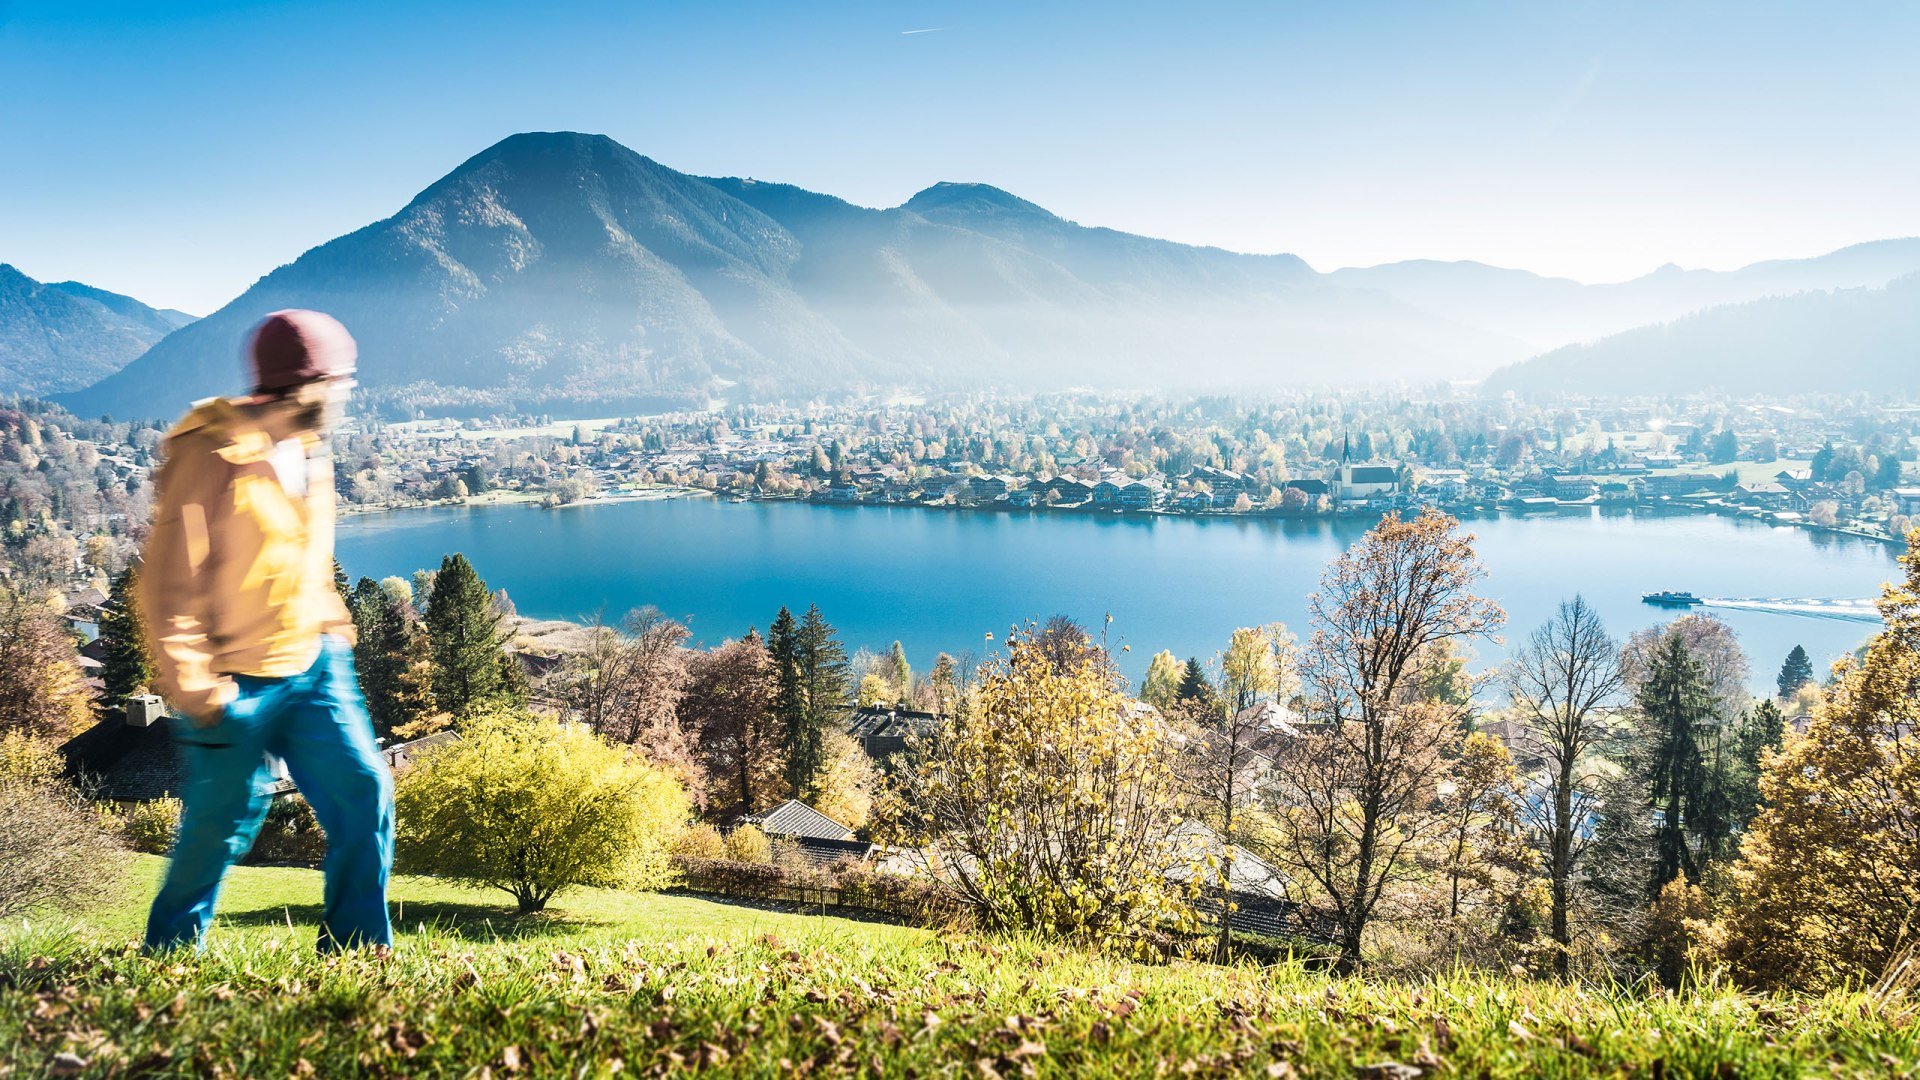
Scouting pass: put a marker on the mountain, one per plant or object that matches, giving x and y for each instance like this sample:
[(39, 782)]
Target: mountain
[(564, 272), (165, 320), (67, 335), (1838, 341), (1548, 312)]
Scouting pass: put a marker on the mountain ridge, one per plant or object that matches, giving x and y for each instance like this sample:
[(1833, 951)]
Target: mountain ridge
[(565, 272), (65, 335), (1550, 312), (1786, 344)]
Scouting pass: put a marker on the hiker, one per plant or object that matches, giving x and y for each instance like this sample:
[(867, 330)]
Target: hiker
[(252, 641)]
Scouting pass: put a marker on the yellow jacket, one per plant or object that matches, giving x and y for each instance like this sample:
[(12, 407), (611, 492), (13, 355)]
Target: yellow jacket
[(237, 577)]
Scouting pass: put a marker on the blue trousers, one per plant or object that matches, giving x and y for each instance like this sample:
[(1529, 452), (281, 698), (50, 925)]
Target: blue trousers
[(317, 723)]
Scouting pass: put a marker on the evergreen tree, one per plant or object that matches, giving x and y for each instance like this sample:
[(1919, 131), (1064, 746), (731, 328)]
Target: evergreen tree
[(340, 583), (1761, 731), (1796, 672), (125, 667), (471, 669), (900, 671), (1677, 707), (1193, 682), (1726, 447), (789, 700), (826, 682), (394, 659), (1822, 461), (1888, 473)]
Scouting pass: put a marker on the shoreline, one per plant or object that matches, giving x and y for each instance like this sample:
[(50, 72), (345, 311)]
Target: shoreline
[(1464, 513), (521, 498)]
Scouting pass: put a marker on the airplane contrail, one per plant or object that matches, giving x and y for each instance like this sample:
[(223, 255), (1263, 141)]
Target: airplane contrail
[(929, 30)]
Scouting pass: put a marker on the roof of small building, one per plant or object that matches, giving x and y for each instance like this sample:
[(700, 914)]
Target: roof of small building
[(1273, 716), (132, 763), (401, 754), (1373, 474), (795, 818), (871, 721), (1247, 875)]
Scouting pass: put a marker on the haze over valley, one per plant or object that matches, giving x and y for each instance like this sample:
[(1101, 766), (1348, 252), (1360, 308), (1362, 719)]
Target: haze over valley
[(564, 273)]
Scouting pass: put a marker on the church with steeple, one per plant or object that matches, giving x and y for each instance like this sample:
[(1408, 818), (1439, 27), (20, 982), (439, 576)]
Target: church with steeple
[(1350, 482)]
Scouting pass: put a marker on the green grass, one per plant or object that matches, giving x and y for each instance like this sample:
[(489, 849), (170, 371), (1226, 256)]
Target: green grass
[(1750, 472), (656, 984)]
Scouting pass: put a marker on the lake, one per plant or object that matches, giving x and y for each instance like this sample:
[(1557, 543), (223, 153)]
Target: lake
[(941, 581)]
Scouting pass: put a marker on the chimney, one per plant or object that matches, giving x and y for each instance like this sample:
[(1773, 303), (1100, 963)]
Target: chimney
[(144, 709)]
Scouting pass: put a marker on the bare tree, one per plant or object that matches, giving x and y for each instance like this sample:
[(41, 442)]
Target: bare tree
[(626, 686), (54, 851), (42, 692), (1357, 796), (728, 709), (1711, 642), (1564, 682)]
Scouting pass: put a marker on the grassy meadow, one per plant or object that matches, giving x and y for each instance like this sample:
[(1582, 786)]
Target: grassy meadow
[(652, 984)]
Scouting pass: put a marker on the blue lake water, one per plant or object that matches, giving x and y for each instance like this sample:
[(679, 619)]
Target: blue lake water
[(939, 580)]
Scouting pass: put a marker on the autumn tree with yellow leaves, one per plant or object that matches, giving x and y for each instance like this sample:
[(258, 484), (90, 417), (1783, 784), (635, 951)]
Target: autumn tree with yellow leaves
[(1050, 801), (1828, 878), (1356, 796)]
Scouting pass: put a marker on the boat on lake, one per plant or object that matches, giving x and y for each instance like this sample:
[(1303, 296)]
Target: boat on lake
[(1671, 599)]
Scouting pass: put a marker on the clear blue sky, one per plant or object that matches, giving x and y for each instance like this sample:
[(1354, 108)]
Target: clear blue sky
[(178, 151)]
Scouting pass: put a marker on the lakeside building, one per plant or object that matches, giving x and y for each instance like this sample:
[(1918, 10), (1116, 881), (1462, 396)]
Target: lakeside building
[(1364, 482)]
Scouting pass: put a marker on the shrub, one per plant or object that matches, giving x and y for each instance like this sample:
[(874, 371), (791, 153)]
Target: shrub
[(701, 841), (291, 834), (54, 850), (786, 854), (849, 884), (150, 826), (27, 759), (532, 807), (727, 877), (747, 844)]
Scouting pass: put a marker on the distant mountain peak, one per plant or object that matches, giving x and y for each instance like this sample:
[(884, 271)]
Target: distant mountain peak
[(548, 140), (949, 196), (63, 336)]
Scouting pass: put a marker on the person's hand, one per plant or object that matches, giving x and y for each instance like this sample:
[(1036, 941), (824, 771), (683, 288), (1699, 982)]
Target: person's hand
[(219, 704)]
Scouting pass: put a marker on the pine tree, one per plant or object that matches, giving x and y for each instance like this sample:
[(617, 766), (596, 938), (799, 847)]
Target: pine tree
[(340, 583), (789, 700), (126, 667), (470, 665), (826, 682), (394, 660), (1193, 682), (1796, 672), (1677, 707)]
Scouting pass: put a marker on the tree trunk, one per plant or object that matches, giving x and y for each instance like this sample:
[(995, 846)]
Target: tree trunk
[(1560, 873), (1349, 960)]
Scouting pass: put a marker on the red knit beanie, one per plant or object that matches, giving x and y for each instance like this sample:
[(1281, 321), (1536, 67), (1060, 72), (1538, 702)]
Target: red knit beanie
[(292, 347)]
